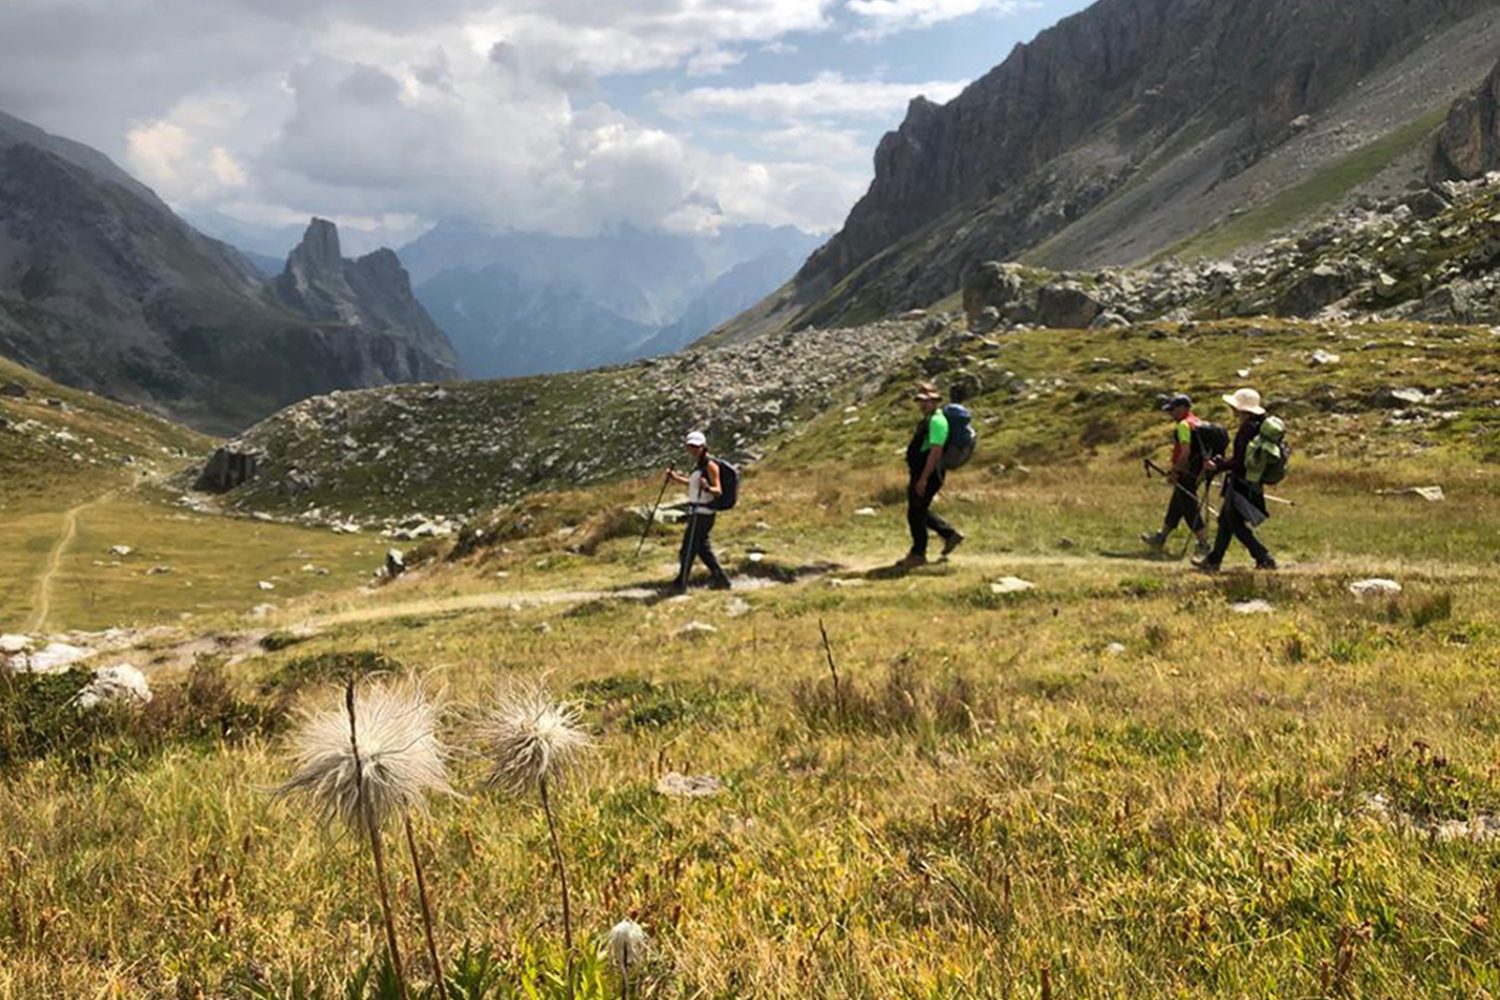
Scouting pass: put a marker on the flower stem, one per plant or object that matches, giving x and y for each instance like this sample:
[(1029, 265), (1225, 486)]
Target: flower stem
[(432, 949), (377, 850), (562, 874)]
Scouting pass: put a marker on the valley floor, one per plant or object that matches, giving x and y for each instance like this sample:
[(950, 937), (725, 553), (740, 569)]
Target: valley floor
[(1114, 783)]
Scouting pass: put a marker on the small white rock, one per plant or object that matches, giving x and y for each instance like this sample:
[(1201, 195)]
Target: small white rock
[(121, 550), (865, 512), (266, 585), (1255, 607), (1364, 588), (1115, 649), (1011, 585), (696, 628)]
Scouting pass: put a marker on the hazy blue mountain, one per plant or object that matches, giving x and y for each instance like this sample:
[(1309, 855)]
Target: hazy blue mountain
[(517, 303)]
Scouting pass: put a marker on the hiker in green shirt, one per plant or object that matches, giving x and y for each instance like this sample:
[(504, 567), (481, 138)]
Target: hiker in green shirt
[(924, 464)]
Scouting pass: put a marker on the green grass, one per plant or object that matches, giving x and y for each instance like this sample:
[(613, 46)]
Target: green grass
[(1307, 198)]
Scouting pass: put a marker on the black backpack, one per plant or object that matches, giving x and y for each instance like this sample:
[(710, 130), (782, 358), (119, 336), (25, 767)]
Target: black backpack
[(729, 486), (1209, 441)]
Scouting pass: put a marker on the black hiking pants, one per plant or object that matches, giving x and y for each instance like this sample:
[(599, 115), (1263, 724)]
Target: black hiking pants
[(1232, 525), (695, 546), (920, 518), (1184, 508)]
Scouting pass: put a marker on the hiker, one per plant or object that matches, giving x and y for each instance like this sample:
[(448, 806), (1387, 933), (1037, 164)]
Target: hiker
[(1244, 504), (704, 489), (924, 463), (1187, 466)]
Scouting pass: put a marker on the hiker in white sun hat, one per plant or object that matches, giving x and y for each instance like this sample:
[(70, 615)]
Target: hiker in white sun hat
[(1244, 504)]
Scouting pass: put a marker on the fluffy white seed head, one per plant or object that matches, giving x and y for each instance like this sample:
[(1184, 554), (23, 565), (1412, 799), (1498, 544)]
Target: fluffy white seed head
[(531, 738), (626, 945), (401, 760)]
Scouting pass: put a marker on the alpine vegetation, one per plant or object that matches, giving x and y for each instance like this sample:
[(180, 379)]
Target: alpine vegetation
[(377, 759), (626, 945), (531, 740)]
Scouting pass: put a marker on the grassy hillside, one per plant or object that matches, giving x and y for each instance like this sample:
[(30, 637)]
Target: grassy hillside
[(1113, 784)]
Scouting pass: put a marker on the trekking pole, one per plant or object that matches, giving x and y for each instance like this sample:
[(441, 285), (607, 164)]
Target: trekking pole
[(651, 520), (1153, 467)]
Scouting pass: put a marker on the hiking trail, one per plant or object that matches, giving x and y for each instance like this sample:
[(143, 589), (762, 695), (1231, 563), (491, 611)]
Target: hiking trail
[(68, 532)]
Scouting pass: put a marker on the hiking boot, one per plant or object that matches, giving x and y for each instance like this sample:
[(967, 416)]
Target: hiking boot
[(722, 584), (1204, 564), (1268, 564), (952, 542), (912, 559), (675, 589), (1204, 548), (1154, 539)]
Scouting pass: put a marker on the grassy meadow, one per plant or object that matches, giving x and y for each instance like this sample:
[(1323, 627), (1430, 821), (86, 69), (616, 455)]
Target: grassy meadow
[(1114, 784)]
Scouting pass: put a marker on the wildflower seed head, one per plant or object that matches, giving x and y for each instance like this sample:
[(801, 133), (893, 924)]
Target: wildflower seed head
[(401, 760), (626, 945), (532, 739)]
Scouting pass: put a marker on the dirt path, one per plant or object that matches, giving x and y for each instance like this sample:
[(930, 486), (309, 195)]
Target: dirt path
[(54, 562)]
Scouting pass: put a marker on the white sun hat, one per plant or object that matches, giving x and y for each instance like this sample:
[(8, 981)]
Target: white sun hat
[(695, 439), (1246, 401)]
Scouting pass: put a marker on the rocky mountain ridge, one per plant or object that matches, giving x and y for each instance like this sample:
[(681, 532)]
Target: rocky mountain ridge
[(1129, 129), (104, 288)]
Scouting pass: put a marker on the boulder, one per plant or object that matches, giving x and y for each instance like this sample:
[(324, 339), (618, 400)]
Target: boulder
[(227, 468), (122, 684), (13, 389), (1066, 306), (395, 563), (1320, 287), (991, 285)]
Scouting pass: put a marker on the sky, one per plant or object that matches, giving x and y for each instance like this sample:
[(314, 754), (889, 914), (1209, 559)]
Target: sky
[(561, 116)]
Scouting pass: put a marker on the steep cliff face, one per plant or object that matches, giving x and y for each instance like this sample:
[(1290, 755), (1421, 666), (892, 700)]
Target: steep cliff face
[(372, 293), (104, 288), (1121, 93), (1470, 142)]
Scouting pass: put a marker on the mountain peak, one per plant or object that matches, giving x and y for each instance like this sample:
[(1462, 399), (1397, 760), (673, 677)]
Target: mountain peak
[(319, 252)]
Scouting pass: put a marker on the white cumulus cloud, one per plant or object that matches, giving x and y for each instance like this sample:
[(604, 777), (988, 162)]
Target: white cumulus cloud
[(827, 95), (887, 17)]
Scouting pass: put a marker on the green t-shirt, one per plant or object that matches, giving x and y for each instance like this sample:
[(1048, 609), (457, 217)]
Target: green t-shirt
[(937, 430), (1184, 432)]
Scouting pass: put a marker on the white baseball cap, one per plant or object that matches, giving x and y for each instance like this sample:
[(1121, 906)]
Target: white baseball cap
[(695, 439)]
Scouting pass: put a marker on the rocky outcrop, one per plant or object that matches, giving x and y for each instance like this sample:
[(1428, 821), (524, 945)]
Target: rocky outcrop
[(102, 287), (1469, 146), (226, 469)]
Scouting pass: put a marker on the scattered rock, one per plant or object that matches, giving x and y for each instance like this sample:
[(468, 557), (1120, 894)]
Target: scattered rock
[(1066, 306), (695, 628), (1364, 588), (1255, 607), (1011, 585), (865, 512), (1115, 649), (1321, 357), (395, 563), (738, 607), (120, 550), (159, 570), (12, 644), (688, 786), (266, 585), (13, 389)]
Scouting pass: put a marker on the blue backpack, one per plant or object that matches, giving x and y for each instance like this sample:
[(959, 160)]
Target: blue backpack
[(962, 437)]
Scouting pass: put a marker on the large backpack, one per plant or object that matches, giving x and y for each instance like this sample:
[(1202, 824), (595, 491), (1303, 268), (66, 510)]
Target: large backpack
[(1209, 441), (1268, 454), (962, 437), (729, 486)]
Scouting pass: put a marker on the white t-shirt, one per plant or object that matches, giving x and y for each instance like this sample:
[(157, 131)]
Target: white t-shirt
[(699, 498)]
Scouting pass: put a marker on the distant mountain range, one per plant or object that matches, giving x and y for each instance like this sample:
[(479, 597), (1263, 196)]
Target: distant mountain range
[(527, 303), (103, 287)]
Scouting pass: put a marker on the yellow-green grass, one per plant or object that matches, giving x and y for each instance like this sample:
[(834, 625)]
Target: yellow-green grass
[(993, 792), (1187, 817)]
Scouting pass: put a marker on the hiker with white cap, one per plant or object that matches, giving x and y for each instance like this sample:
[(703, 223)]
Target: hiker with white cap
[(925, 468), (1244, 504), (706, 497)]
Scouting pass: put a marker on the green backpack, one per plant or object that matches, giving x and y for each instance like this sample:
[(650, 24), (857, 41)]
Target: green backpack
[(1267, 455)]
